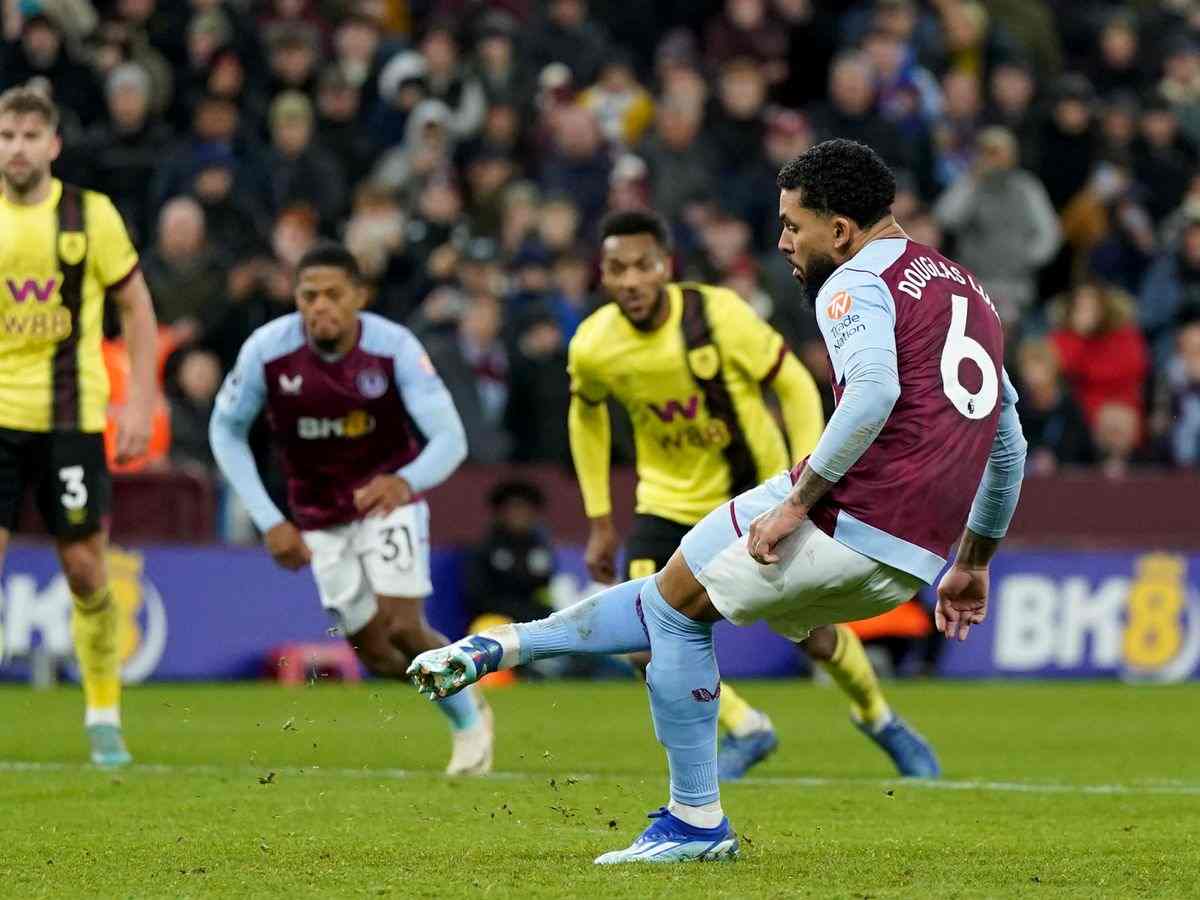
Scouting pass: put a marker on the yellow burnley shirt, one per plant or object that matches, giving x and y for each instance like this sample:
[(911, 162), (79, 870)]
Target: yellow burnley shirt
[(682, 469), (33, 320)]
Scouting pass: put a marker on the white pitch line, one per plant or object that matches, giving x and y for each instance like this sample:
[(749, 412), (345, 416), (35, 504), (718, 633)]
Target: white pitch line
[(1012, 787)]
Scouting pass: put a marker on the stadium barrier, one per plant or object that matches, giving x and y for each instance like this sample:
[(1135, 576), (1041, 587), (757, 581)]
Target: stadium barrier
[(217, 612)]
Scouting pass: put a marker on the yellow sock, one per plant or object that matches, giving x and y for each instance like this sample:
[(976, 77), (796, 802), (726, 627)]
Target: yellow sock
[(854, 674), (736, 715), (94, 629)]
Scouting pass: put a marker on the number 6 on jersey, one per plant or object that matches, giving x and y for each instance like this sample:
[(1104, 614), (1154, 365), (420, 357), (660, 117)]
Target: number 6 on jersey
[(977, 404)]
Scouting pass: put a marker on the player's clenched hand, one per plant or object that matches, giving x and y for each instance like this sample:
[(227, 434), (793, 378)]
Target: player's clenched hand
[(383, 494), (287, 547), (133, 431), (772, 527), (601, 553), (962, 601)]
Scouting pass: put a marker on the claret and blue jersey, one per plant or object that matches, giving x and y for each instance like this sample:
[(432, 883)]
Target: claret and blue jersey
[(916, 352), (337, 422)]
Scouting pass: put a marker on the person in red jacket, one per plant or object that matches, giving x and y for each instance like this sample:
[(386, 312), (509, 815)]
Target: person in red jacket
[(1101, 351)]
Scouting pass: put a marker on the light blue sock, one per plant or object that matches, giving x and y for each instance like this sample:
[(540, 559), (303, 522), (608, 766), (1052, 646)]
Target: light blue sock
[(461, 709), (684, 685), (605, 623)]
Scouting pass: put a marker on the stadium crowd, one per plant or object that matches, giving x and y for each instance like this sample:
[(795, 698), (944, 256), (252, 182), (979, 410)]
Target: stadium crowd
[(466, 150)]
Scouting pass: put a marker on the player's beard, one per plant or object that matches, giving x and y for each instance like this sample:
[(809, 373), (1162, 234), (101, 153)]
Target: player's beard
[(816, 273), (647, 322), (25, 185)]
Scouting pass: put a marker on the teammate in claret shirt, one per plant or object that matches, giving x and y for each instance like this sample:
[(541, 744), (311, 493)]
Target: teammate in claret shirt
[(363, 424), (923, 452)]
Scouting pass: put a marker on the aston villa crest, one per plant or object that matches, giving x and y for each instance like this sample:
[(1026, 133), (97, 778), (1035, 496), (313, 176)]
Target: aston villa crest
[(371, 383)]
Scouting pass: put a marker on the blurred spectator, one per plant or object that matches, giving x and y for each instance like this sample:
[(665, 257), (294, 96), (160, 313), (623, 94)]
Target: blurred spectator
[(185, 275), (301, 170), (293, 56), (907, 94), (508, 573), (572, 278), (450, 81), (294, 233), (1164, 161), (681, 165), (339, 124), (1117, 432), (1119, 120), (519, 214), (1117, 64), (120, 42), (1100, 350), (540, 391), (190, 394), (489, 172), (359, 49), (41, 52), (905, 19), (375, 234), (119, 156), (566, 36), (503, 75), (474, 365), (1171, 292), (735, 123), (1180, 84), (1124, 232), (850, 113), (228, 78), (403, 85), (425, 152), (1053, 422), (956, 132), (279, 13), (577, 163), (1067, 145), (1003, 223), (1183, 396), (559, 227), (237, 222), (1011, 91), (622, 107), (746, 29)]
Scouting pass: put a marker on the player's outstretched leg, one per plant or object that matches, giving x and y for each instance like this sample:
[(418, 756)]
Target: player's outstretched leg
[(605, 623), (839, 652), (394, 635), (684, 686)]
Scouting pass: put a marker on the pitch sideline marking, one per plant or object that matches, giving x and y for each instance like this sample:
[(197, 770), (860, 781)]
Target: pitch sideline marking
[(1016, 787)]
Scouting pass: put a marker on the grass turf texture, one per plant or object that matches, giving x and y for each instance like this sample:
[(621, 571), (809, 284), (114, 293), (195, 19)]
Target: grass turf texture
[(1096, 792)]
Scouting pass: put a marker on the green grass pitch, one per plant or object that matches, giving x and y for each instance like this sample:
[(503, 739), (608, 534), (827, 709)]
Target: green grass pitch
[(1050, 790)]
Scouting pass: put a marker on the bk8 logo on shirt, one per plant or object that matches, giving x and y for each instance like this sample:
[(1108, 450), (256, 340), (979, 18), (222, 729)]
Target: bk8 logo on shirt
[(357, 424)]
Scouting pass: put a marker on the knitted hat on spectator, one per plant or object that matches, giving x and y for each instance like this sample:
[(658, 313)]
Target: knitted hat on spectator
[(290, 106), (403, 68), (212, 22), (128, 75)]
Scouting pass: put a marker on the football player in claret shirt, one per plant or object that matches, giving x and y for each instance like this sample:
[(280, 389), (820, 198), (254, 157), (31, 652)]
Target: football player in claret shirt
[(63, 250), (690, 362), (364, 425), (923, 454)]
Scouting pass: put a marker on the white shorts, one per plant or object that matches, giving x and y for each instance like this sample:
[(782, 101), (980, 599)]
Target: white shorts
[(817, 581), (380, 555)]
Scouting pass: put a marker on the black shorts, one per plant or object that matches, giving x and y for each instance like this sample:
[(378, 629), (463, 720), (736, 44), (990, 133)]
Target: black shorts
[(651, 543), (68, 474)]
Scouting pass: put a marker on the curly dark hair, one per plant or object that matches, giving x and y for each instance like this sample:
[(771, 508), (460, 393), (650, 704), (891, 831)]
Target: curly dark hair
[(843, 178), (637, 221), (332, 254)]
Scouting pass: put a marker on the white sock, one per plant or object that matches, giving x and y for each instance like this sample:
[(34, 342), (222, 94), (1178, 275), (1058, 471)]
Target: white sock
[(102, 715), (707, 816), (753, 721), (878, 725), (506, 636)]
